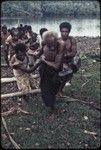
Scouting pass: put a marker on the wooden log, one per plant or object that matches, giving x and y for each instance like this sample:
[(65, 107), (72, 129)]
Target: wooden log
[(7, 80), (13, 79), (4, 65), (20, 93)]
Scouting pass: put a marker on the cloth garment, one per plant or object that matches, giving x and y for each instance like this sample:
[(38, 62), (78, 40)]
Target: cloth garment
[(49, 84)]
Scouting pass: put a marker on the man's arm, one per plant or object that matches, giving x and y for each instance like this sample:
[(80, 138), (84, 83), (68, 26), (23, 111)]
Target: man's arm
[(73, 48), (24, 69), (59, 57), (38, 53)]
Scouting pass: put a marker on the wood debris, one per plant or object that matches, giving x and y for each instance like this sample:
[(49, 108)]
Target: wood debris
[(11, 139)]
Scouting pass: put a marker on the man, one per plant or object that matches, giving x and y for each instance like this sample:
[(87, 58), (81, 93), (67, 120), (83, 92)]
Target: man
[(52, 59), (70, 51), (4, 36), (19, 63), (33, 45), (11, 41)]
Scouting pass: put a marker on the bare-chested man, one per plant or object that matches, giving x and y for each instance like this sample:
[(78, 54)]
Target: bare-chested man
[(52, 59), (19, 63), (16, 37), (11, 41), (70, 51)]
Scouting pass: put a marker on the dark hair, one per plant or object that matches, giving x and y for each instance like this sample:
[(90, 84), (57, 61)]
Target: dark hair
[(42, 30), (13, 28), (9, 30), (65, 25), (4, 27), (34, 46), (25, 27), (29, 28), (21, 25), (20, 47)]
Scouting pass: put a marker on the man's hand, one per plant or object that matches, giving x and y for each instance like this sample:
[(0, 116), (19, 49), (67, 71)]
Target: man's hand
[(15, 65)]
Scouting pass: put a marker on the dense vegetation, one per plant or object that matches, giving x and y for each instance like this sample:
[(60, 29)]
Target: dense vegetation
[(44, 8)]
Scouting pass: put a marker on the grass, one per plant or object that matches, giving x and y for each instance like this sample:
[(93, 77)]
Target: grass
[(66, 130)]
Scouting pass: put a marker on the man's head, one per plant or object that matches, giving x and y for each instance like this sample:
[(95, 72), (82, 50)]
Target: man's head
[(15, 36), (33, 37), (50, 38), (29, 28), (20, 51), (21, 25), (42, 30), (4, 29), (65, 29)]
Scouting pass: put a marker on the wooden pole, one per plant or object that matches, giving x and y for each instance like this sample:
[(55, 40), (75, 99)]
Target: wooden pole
[(13, 79), (4, 65), (7, 80), (9, 95)]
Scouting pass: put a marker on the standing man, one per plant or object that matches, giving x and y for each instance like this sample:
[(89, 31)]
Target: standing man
[(52, 59), (20, 65), (70, 51)]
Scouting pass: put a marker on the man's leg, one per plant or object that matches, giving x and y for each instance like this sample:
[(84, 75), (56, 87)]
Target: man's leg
[(48, 96), (66, 79), (23, 84)]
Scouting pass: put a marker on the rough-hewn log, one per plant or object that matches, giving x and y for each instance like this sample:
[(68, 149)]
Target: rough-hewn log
[(35, 91), (13, 79), (7, 80), (4, 65)]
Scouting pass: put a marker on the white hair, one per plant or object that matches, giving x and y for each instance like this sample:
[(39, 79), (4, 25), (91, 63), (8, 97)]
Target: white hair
[(49, 34)]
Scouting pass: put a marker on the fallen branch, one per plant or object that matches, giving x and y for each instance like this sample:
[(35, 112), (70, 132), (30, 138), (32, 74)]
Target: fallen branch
[(13, 79), (88, 132), (20, 93), (8, 112), (12, 110), (23, 111), (85, 84), (68, 99), (11, 139)]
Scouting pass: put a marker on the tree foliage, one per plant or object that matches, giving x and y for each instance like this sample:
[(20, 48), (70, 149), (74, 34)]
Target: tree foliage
[(40, 8)]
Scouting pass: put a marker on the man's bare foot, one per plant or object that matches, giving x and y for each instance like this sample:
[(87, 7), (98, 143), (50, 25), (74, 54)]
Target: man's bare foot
[(54, 111), (52, 114)]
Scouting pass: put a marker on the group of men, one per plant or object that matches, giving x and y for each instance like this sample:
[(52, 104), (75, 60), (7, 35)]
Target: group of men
[(52, 56)]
